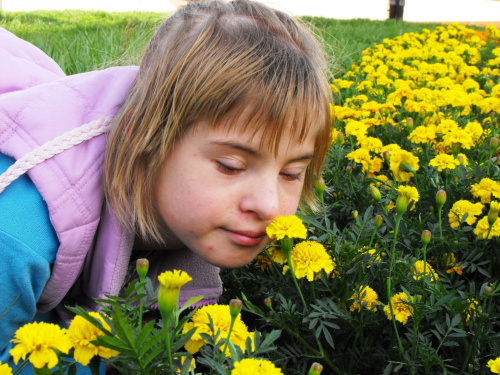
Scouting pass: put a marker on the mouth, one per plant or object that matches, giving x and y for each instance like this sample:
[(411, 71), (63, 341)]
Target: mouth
[(245, 238)]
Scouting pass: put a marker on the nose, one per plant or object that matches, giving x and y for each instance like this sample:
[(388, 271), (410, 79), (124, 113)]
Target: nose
[(262, 199)]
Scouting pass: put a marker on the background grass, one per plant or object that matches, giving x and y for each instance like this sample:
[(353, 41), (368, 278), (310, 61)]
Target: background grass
[(80, 41)]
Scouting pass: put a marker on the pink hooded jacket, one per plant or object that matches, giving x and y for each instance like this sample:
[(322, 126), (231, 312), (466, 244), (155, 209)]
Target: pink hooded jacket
[(37, 103)]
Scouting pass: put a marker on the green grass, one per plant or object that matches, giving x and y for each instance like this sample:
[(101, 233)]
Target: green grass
[(82, 40)]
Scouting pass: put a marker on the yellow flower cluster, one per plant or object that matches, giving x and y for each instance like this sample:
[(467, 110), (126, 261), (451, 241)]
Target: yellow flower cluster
[(5, 369), (221, 318), (423, 269), (400, 307), (81, 333), (286, 226), (253, 366), (494, 365), (309, 258), (41, 341), (462, 207), (364, 297)]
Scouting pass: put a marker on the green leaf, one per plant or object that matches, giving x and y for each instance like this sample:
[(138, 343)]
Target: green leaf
[(123, 328), (190, 302)]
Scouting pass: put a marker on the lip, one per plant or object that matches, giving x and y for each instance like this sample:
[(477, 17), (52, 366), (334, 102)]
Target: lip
[(245, 238)]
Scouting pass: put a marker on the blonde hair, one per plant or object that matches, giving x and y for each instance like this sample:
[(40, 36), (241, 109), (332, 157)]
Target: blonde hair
[(209, 60)]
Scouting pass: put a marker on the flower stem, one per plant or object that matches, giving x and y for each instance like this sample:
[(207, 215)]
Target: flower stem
[(439, 219), (389, 295), (289, 260), (167, 330), (228, 336)]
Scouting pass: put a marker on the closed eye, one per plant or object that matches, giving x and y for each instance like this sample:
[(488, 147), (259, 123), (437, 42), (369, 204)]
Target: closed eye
[(292, 176), (226, 169)]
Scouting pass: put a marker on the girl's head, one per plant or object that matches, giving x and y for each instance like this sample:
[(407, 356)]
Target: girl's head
[(230, 93)]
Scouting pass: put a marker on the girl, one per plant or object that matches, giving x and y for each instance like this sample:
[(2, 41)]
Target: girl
[(221, 129)]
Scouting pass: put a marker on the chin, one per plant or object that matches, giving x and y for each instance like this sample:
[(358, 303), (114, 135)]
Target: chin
[(236, 263)]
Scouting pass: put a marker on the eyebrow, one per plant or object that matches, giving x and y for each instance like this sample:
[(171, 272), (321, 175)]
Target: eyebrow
[(253, 152)]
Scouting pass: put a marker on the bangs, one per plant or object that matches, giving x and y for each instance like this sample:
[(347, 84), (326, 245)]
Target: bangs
[(268, 83)]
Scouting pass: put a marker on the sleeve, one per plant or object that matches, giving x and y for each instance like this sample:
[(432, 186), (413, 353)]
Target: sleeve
[(23, 275)]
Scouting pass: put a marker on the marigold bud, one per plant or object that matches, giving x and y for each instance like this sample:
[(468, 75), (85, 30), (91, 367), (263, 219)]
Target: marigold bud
[(235, 306), (268, 302), (387, 156), (354, 214), (378, 221), (340, 138), (494, 143), (409, 123), (426, 236), (142, 267), (348, 170), (401, 204), (441, 198), (319, 186), (455, 148), (461, 160), (315, 369), (375, 193), (492, 217)]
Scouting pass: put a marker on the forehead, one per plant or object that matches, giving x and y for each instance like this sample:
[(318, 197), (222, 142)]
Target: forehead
[(252, 127)]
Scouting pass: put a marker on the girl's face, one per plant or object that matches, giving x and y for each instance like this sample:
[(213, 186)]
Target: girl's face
[(218, 190)]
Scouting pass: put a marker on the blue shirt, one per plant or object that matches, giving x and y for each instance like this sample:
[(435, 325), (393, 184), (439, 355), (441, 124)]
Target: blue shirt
[(28, 247)]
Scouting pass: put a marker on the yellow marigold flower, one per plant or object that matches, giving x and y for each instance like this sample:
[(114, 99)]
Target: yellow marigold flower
[(382, 181), (450, 262), (482, 229), (221, 318), (494, 364), (309, 258), (422, 134), (277, 255), (286, 226), (371, 144), (473, 310), (39, 340), (475, 129), (81, 333), (462, 207), (402, 311), (403, 165), (485, 189), (444, 161), (367, 298), (5, 369), (170, 286), (447, 126), (410, 192), (418, 271), (391, 148), (460, 137), (253, 366), (356, 128), (359, 156), (174, 279)]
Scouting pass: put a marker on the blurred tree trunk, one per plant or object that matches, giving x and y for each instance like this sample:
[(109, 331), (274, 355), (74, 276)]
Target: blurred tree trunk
[(396, 8)]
